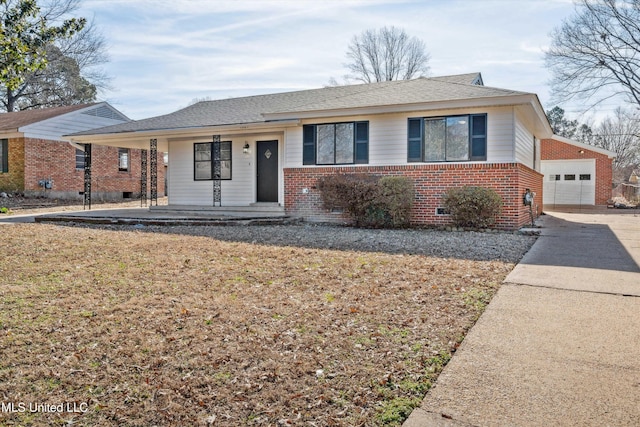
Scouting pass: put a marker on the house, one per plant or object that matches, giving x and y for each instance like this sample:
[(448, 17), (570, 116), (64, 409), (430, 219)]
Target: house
[(575, 173), (37, 160), (268, 151)]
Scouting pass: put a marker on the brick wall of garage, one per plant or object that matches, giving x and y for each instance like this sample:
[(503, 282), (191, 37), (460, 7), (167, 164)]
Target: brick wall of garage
[(302, 197), (552, 149)]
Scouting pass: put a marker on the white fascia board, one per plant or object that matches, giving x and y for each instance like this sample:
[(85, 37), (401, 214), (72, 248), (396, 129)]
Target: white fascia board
[(499, 101), (584, 146), (14, 133), (140, 139)]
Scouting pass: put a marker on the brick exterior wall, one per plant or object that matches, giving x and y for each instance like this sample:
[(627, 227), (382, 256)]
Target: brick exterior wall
[(552, 149), (13, 180), (430, 182), (56, 161)]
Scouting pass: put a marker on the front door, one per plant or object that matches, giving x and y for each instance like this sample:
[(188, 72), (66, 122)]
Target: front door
[(267, 171)]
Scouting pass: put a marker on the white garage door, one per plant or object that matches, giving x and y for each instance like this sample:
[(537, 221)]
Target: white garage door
[(569, 182)]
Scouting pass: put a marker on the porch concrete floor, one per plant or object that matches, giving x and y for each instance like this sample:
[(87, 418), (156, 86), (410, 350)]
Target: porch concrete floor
[(146, 216)]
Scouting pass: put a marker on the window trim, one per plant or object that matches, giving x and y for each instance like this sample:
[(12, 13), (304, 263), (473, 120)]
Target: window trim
[(230, 160), (4, 155), (416, 144), (122, 151), (77, 156), (360, 143)]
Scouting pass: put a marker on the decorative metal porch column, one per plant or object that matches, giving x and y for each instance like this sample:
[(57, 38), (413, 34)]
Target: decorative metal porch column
[(217, 171), (143, 177), (86, 201), (154, 170)]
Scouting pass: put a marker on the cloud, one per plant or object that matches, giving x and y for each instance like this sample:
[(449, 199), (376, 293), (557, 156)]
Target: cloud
[(164, 53)]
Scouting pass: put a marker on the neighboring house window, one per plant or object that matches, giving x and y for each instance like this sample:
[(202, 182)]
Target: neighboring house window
[(4, 155), (123, 159), (79, 159), (204, 161), (335, 143), (447, 139)]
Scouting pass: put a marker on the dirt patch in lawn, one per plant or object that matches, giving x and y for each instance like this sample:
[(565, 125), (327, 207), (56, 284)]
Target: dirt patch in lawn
[(135, 328)]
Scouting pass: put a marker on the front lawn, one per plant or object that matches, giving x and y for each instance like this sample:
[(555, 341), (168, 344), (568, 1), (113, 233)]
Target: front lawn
[(134, 328)]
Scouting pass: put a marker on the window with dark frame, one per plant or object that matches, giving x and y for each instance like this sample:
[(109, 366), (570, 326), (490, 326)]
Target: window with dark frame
[(203, 161), (554, 177), (4, 155), (585, 177), (447, 139), (335, 143), (79, 159), (123, 159), (571, 177)]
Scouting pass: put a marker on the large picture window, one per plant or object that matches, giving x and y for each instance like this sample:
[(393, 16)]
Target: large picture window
[(4, 155), (336, 143), (447, 139), (204, 158)]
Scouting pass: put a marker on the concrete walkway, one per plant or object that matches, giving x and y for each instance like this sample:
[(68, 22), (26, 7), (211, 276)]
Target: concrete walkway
[(560, 342), (146, 216)]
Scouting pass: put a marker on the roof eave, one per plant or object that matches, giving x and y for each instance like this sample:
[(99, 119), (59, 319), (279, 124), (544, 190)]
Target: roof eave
[(496, 101), (196, 131)]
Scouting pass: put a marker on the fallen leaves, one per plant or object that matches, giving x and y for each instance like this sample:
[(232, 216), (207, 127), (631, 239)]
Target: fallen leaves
[(161, 329)]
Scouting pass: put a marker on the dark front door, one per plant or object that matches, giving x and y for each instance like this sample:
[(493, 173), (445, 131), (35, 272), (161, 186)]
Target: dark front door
[(267, 171)]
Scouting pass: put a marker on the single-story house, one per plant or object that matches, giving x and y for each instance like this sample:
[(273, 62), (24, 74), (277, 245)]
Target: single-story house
[(268, 151), (575, 173), (37, 160)]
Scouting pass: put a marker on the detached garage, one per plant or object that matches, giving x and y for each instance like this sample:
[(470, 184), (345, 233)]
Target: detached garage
[(575, 173)]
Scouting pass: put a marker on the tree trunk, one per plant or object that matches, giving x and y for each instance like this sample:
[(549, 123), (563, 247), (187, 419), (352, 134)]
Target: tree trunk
[(11, 101)]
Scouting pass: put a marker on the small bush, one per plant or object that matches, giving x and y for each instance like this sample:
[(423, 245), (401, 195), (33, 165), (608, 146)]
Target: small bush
[(474, 207), (396, 195), (370, 201)]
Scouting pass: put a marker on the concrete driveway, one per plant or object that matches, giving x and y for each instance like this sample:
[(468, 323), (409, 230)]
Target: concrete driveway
[(560, 342)]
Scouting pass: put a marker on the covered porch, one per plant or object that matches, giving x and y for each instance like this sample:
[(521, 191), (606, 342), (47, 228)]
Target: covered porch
[(221, 170)]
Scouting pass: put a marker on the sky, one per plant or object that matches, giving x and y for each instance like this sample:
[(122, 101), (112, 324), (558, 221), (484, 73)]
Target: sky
[(164, 54)]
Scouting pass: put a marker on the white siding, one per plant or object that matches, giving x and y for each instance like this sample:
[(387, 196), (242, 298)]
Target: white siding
[(388, 135), (240, 190), (75, 121), (524, 141)]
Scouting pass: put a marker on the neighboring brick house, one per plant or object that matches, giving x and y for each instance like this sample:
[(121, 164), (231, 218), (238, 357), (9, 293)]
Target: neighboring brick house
[(37, 160), (575, 173), (441, 132)]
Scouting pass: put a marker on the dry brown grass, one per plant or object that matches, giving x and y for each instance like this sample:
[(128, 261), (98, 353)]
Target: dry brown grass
[(159, 329)]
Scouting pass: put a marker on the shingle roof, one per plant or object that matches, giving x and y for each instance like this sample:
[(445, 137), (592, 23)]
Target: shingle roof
[(252, 109), (13, 121)]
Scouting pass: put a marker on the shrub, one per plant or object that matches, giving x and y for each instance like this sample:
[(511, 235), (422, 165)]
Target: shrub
[(396, 195), (370, 201), (474, 207)]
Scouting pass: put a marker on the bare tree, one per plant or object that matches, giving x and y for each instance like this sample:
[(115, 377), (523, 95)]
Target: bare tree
[(386, 54), (595, 55), (620, 134), (72, 73)]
